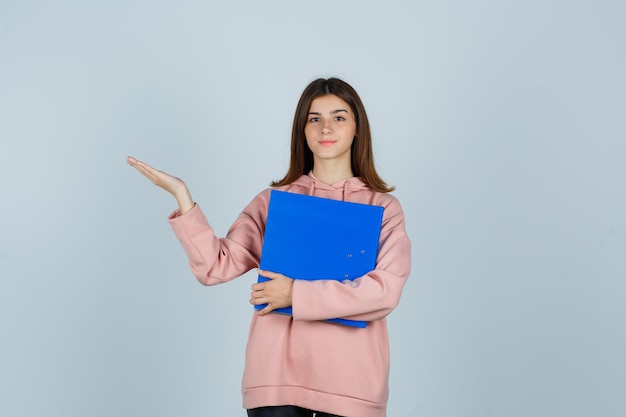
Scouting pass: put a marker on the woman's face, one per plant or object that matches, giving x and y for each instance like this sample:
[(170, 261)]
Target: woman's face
[(330, 129)]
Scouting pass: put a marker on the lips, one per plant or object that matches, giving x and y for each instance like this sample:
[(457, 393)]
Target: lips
[(326, 142)]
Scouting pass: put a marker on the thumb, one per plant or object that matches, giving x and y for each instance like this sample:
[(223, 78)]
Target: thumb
[(267, 274)]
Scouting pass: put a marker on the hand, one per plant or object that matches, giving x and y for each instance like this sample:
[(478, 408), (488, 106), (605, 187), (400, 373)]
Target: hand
[(276, 292), (172, 185)]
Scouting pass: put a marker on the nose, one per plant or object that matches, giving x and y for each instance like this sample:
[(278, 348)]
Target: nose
[(326, 129)]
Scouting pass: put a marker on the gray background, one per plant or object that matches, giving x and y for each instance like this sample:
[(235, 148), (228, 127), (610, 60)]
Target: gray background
[(501, 123)]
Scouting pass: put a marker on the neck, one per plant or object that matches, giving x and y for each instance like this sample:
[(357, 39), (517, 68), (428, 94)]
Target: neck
[(330, 173)]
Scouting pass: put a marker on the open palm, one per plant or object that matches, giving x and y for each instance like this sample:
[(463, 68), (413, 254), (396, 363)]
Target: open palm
[(169, 183)]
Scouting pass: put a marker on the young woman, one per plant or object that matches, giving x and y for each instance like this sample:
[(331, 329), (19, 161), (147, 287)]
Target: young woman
[(300, 365)]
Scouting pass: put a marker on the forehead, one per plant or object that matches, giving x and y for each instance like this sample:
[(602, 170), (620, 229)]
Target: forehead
[(328, 103)]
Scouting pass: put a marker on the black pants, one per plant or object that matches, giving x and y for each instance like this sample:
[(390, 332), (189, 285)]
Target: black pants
[(286, 411)]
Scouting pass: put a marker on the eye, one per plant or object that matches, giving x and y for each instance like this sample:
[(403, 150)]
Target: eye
[(340, 118), (314, 119)]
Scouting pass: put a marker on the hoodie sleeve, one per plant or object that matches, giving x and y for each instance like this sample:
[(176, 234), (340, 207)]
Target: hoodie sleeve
[(216, 260), (370, 297)]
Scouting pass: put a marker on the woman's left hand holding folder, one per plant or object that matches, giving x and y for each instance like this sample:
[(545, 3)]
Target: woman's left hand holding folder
[(276, 292)]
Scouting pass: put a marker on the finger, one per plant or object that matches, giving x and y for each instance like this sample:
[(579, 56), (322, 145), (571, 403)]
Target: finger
[(143, 167), (147, 171), (258, 301), (140, 165), (256, 294), (137, 163), (266, 310), (132, 160), (151, 174), (268, 274)]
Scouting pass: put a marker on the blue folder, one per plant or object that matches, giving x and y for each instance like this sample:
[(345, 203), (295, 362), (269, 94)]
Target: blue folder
[(317, 238)]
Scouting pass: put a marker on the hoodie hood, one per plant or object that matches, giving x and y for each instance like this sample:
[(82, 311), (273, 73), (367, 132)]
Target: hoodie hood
[(311, 185)]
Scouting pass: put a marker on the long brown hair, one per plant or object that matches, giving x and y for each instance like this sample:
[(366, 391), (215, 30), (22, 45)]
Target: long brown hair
[(362, 157)]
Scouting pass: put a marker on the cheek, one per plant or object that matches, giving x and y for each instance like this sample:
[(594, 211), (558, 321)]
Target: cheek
[(309, 133), (354, 129)]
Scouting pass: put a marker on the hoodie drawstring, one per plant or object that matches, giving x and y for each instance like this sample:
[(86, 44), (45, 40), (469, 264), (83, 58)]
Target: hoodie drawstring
[(312, 188), (345, 190)]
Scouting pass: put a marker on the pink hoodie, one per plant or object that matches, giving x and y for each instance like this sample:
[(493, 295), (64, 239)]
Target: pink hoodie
[(302, 360)]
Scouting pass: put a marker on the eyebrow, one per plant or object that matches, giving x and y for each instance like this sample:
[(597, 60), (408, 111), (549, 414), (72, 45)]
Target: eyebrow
[(332, 112)]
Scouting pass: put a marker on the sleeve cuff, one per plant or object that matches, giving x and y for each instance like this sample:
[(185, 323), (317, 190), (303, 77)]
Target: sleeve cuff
[(176, 213)]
